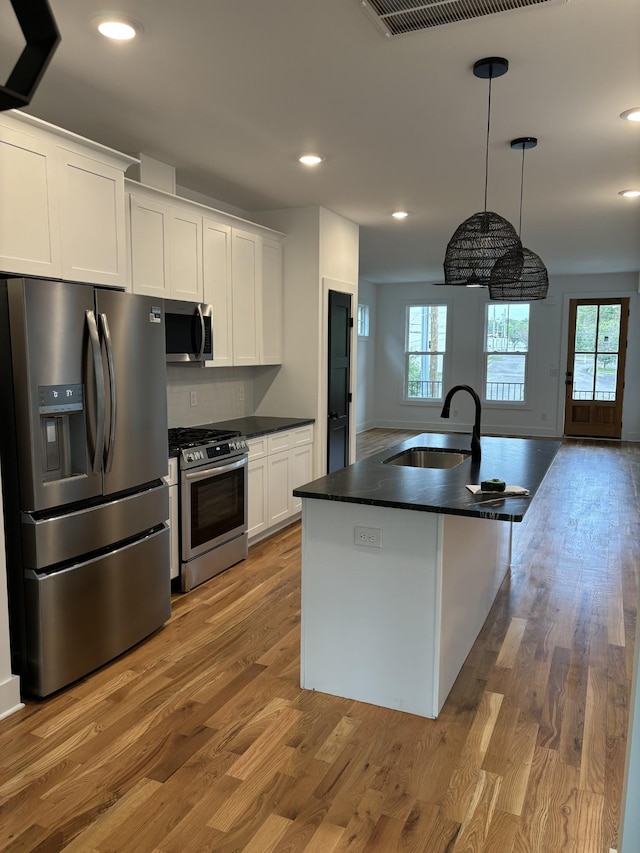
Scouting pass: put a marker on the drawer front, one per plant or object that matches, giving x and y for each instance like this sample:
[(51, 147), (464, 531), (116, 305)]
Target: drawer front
[(302, 435), (258, 447), (279, 441)]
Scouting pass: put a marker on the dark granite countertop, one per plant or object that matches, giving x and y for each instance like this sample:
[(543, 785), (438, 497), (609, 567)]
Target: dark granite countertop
[(256, 425), (518, 461)]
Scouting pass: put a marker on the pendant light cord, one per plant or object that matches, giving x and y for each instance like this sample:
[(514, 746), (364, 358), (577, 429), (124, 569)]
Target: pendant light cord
[(521, 192), (486, 159)]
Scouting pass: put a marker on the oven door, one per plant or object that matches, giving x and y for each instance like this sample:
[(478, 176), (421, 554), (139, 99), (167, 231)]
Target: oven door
[(213, 506)]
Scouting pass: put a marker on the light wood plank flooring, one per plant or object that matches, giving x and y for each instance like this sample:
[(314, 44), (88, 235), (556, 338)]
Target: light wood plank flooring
[(200, 739)]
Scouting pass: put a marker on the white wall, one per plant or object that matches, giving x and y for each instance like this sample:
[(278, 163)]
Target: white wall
[(320, 251), (365, 386), (543, 413)]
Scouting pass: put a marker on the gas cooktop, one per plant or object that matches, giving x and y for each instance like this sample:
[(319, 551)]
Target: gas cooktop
[(181, 437), (198, 446)]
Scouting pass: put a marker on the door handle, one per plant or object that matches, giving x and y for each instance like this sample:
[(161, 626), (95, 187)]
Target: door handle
[(113, 400), (100, 392), (333, 416)]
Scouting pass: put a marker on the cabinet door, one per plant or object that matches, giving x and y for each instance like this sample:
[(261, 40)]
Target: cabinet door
[(257, 505), (92, 220), (29, 218), (245, 277), (272, 307), (216, 255), (149, 255), (279, 477), (184, 240), (175, 534), (301, 472)]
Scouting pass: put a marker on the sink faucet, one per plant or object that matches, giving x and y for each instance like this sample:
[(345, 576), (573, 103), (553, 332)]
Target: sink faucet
[(475, 435)]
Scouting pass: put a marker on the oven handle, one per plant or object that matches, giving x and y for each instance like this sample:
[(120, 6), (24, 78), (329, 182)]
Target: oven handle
[(214, 470)]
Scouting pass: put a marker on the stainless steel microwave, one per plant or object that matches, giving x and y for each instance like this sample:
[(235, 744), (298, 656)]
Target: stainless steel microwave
[(188, 331)]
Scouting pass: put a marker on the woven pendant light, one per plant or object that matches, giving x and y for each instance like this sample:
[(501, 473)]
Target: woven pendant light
[(483, 239), (531, 282)]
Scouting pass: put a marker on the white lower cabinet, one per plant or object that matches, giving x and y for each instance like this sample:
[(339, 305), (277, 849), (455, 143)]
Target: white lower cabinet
[(257, 500), (278, 463), (173, 520), (278, 480)]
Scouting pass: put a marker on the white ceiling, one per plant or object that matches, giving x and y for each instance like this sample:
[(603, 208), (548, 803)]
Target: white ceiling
[(231, 91)]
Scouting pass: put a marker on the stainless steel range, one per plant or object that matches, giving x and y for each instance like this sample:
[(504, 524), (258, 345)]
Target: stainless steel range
[(212, 501)]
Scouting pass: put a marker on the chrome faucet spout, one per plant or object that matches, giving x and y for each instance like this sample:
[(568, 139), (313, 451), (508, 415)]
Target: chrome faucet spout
[(475, 434)]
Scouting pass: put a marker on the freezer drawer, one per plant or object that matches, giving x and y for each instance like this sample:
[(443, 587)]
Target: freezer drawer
[(62, 537), (86, 615)]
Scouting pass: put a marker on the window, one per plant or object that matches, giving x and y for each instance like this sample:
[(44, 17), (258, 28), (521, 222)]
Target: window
[(363, 320), (425, 347), (506, 347)]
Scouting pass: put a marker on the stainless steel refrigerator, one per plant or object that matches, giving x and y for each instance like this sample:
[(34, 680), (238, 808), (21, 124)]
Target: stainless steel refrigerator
[(83, 441)]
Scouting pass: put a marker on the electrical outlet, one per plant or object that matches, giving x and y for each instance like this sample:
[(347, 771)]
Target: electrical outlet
[(455, 413), (369, 536), (193, 398), (241, 394)]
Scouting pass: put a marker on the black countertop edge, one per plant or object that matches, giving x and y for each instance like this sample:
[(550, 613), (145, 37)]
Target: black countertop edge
[(253, 426), (518, 461)]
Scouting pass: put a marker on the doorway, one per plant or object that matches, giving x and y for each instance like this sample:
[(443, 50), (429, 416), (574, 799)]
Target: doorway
[(594, 380), (338, 380)]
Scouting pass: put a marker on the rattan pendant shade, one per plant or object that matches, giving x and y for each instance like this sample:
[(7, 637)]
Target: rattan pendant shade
[(520, 276), (531, 284), (483, 239)]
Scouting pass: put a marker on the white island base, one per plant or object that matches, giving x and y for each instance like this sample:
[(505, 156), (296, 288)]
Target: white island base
[(392, 626)]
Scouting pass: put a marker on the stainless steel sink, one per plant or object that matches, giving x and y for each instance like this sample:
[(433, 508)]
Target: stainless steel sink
[(428, 457)]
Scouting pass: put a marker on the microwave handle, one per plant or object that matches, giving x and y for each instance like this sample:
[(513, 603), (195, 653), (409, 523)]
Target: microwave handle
[(202, 328)]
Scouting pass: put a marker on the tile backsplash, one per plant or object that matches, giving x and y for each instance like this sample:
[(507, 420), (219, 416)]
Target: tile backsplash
[(221, 393)]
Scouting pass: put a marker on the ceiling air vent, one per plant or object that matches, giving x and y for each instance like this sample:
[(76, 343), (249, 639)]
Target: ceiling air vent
[(399, 17)]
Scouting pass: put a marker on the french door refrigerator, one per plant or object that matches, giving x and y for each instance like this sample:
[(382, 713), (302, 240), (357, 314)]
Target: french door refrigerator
[(83, 441)]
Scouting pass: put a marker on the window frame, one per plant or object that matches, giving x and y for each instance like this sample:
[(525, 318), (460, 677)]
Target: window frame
[(367, 314), (446, 353), (519, 405)]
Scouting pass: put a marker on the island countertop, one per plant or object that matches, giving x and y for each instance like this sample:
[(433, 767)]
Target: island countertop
[(518, 461)]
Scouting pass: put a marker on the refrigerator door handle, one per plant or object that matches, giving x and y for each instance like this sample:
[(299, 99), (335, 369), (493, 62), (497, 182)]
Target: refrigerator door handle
[(100, 390), (113, 401), (203, 330)]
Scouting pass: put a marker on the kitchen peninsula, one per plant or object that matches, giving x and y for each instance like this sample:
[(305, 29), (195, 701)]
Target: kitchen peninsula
[(401, 564)]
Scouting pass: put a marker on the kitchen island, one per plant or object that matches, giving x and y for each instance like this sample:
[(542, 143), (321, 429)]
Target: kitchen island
[(400, 567)]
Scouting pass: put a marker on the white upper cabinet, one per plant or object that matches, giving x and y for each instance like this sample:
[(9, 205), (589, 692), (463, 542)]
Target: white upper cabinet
[(216, 256), (272, 307), (166, 249), (29, 224), (246, 275), (181, 249), (185, 254), (92, 220), (149, 258), (62, 206)]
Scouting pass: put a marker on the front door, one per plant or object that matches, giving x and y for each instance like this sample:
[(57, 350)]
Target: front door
[(595, 367), (338, 393)]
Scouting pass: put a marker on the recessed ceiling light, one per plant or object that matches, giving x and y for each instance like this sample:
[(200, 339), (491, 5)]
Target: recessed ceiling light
[(399, 214), (119, 29), (632, 114), (630, 193), (310, 159)]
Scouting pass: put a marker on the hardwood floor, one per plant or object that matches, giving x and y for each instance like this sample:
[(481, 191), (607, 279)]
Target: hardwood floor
[(200, 739)]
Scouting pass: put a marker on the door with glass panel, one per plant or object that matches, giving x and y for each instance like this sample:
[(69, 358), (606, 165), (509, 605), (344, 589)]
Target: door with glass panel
[(595, 367)]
